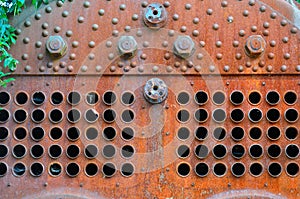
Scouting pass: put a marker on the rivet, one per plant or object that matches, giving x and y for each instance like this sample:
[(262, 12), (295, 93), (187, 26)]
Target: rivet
[(229, 184), (283, 68), (98, 68), (65, 13), (196, 20), (200, 56), (242, 33), (57, 29), (177, 64), (133, 64), (26, 40), (294, 30), (262, 8), (252, 2), (27, 68), (245, 13), (70, 68), (197, 68), (263, 83), (261, 63), (235, 43), (144, 4), (195, 33), (101, 12), (141, 69), (56, 68), (115, 33), (248, 64), (238, 56), (171, 33), (283, 22), (69, 33), (167, 106), (219, 56), (215, 26), (226, 68), (86, 4), (143, 56), (45, 33), (167, 56), (241, 68), (114, 21), (285, 39), (273, 43), (80, 19), (127, 28), (224, 4), (287, 56), (45, 25), (273, 15), (209, 11), (59, 3), (122, 7), (167, 4), (117, 184), (167, 169), (84, 68), (298, 68), (266, 184), (48, 9), (183, 29), (271, 55), (108, 44), (40, 56), (45, 184), (227, 83), (190, 64), (192, 184), (49, 64), (202, 44), (169, 69), (91, 56), (73, 56), (62, 64), (269, 68), (113, 69), (266, 25), (139, 33), (27, 23), (188, 6), (255, 69), (25, 56), (218, 44), (212, 68), (47, 84), (266, 33), (165, 44), (83, 83), (111, 56), (183, 68), (95, 27), (42, 68), (75, 44), (18, 31), (81, 184), (38, 16), (126, 69), (230, 19)]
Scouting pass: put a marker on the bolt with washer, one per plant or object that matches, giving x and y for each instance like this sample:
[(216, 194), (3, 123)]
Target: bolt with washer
[(255, 46), (56, 46), (127, 46), (184, 47), (155, 15)]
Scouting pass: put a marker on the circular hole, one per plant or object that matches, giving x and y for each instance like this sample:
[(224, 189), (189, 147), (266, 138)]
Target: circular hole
[(109, 133), (290, 98), (91, 133), (73, 133), (55, 151), (201, 169), (91, 151), (183, 151), (109, 115), (255, 115), (236, 97), (201, 115), (201, 151), (254, 98), (237, 133), (291, 133), (3, 169), (237, 115), (21, 98), (183, 98), (92, 98), (38, 98), (274, 151), (127, 151), (273, 115), (219, 115), (273, 133), (183, 116), (128, 98), (292, 151), (38, 115), (219, 169), (109, 151), (183, 169), (219, 98), (55, 169), (201, 133), (291, 115), (57, 98), (19, 169), (256, 151), (292, 169), (155, 12), (72, 169), (37, 133), (256, 169), (56, 115), (3, 151), (91, 115), (37, 151), (109, 169), (219, 151), (201, 97), (255, 133), (56, 133), (4, 98), (183, 133), (4, 115), (4, 132), (238, 169), (273, 97), (238, 151), (20, 116), (127, 169), (73, 115), (127, 116), (36, 169), (109, 98), (275, 169), (20, 133), (219, 133), (74, 98), (19, 151), (91, 169), (73, 151), (127, 133)]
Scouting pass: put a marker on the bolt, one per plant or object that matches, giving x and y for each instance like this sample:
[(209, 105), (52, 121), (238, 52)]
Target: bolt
[(56, 46), (127, 46), (184, 46), (255, 46), (155, 15)]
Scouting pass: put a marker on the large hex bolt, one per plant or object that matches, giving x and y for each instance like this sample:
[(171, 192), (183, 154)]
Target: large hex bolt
[(127, 46), (155, 91), (255, 46), (155, 15), (184, 47), (56, 46)]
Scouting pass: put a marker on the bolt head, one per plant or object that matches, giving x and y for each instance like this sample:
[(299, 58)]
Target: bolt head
[(56, 46), (127, 46), (255, 46), (184, 46)]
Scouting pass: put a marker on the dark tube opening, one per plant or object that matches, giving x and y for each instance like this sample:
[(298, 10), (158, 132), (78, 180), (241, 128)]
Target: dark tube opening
[(255, 115), (74, 98), (127, 98), (237, 97), (275, 169), (3, 169), (3, 151), (201, 169), (127, 151), (91, 169), (21, 98), (56, 133), (73, 115), (237, 115), (19, 169), (256, 151), (291, 115), (127, 116), (37, 133), (292, 169), (201, 133), (20, 115), (109, 133), (91, 151), (91, 115), (183, 98), (290, 97), (55, 151), (55, 169), (108, 151), (73, 133), (183, 116), (201, 115), (273, 115), (38, 98), (201, 97), (20, 133), (92, 98), (183, 169), (36, 169), (238, 151), (127, 133), (4, 132), (73, 151), (127, 169), (91, 133), (254, 97), (183, 133), (37, 151), (291, 133), (57, 98), (38, 115), (273, 97), (219, 97), (201, 151), (255, 133), (256, 169), (109, 115), (109, 97), (109, 169), (237, 133), (219, 115), (4, 98), (56, 115), (19, 151), (4, 115), (238, 169), (292, 151), (219, 133), (183, 151), (219, 169), (219, 151), (72, 169), (274, 151), (273, 133)]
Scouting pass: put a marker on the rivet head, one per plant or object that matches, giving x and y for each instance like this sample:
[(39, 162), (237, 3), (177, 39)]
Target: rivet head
[(127, 46), (255, 46), (56, 46), (184, 46), (155, 15)]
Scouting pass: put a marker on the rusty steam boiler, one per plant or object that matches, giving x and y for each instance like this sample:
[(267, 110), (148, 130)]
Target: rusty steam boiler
[(165, 99)]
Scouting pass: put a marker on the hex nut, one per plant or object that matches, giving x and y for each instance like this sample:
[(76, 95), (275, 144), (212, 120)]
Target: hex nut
[(155, 15), (127, 46), (255, 46), (56, 46), (184, 47)]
